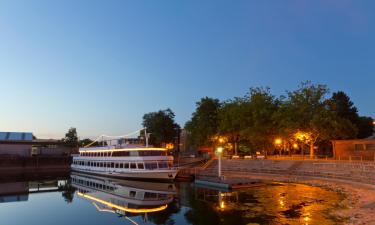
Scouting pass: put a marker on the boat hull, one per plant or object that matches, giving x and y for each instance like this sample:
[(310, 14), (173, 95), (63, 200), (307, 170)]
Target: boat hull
[(168, 175)]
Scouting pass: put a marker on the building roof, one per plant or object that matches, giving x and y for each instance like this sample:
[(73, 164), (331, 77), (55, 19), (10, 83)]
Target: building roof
[(16, 136)]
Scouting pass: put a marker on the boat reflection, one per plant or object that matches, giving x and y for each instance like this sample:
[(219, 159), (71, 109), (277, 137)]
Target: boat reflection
[(123, 197)]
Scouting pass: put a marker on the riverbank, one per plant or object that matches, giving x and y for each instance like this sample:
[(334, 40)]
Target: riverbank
[(358, 206), (34, 165)]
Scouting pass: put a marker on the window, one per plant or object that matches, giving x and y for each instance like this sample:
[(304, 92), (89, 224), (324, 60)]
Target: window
[(151, 165), (121, 165), (152, 153), (120, 154), (149, 195), (126, 166), (132, 193), (133, 166), (163, 165), (370, 147), (117, 166), (112, 165), (359, 147), (141, 166)]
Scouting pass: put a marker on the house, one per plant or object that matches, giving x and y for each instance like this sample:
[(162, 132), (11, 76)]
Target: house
[(16, 143), (356, 149)]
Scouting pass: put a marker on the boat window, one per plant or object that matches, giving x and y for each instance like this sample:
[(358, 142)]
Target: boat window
[(117, 166), (126, 166), (121, 165), (141, 166), (133, 166), (151, 153), (108, 165), (120, 154), (132, 193), (151, 165), (149, 195), (112, 165), (163, 164)]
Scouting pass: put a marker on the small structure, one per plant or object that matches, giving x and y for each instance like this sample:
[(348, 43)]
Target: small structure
[(16, 143), (50, 147), (356, 149)]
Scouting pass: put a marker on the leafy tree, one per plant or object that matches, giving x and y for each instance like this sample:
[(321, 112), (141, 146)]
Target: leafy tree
[(344, 108), (204, 122), (365, 126), (305, 116), (261, 127), (71, 138), (341, 104), (231, 120), (162, 126), (86, 141)]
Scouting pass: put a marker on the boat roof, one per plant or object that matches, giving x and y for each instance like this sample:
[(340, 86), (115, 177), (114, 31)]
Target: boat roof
[(114, 149)]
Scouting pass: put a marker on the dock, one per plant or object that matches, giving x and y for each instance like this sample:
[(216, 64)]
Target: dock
[(227, 184)]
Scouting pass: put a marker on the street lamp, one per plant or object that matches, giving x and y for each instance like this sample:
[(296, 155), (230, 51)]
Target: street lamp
[(219, 151), (278, 141)]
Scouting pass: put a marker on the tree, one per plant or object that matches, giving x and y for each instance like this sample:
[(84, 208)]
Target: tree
[(162, 127), (204, 122), (71, 138), (341, 104), (261, 127), (87, 141), (306, 117), (231, 120), (344, 108), (365, 126)]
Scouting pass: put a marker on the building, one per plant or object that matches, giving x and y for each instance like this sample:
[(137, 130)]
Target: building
[(50, 147), (23, 144), (16, 143), (357, 149)]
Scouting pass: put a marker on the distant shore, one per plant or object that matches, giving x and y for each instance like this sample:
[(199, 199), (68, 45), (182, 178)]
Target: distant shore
[(359, 203)]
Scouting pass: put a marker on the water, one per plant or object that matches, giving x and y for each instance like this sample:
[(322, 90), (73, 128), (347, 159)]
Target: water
[(84, 199)]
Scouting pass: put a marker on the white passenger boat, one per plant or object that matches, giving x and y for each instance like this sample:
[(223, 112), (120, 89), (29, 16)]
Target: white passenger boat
[(123, 197), (126, 161)]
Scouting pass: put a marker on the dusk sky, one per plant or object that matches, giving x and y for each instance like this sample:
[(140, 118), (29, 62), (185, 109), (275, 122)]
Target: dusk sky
[(100, 65)]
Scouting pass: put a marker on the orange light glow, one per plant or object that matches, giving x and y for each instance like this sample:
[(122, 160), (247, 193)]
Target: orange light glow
[(123, 208), (278, 141)]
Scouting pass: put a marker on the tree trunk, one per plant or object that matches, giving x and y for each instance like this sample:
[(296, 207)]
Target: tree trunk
[(311, 150)]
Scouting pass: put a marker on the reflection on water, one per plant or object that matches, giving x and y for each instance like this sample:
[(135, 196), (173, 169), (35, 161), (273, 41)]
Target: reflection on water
[(85, 199)]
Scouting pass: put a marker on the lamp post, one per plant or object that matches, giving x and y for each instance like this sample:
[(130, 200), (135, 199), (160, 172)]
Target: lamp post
[(219, 151)]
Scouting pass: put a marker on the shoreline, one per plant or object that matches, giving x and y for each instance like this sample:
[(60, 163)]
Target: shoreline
[(358, 206)]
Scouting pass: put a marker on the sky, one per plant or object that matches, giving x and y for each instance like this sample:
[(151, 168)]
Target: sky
[(100, 65)]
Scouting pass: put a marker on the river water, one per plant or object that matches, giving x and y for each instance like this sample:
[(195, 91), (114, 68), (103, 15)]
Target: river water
[(89, 200)]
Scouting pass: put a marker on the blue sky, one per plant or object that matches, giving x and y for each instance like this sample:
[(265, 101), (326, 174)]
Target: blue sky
[(100, 65)]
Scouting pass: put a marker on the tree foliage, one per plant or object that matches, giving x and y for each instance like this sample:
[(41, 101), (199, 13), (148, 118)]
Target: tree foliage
[(71, 138), (305, 116), (204, 122), (162, 126)]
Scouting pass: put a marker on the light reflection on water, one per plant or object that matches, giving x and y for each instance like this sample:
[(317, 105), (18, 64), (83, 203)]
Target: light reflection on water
[(96, 200)]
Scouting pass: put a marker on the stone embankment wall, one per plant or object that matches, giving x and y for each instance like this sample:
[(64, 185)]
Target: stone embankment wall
[(355, 171), (10, 165)]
